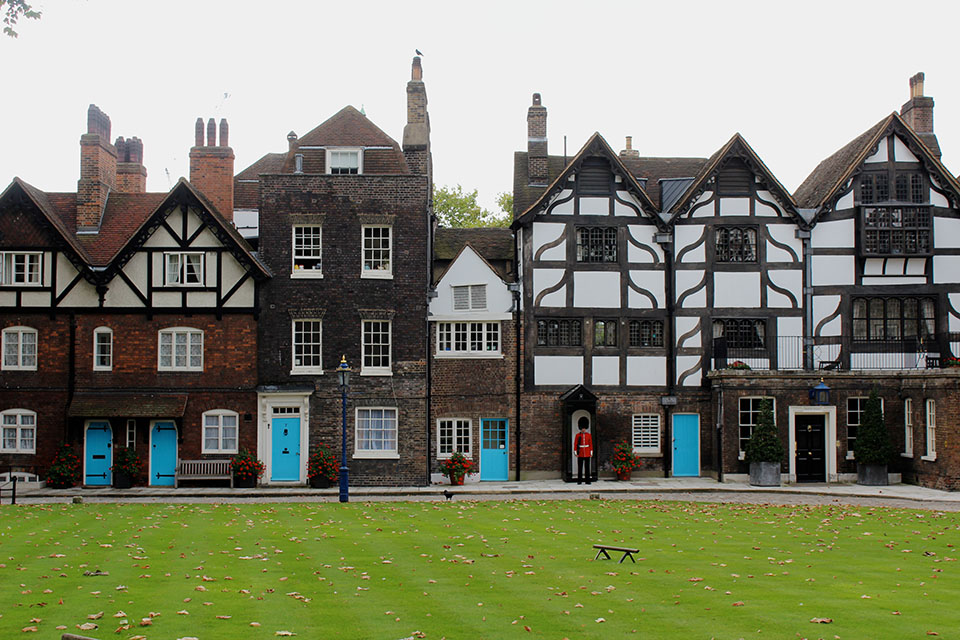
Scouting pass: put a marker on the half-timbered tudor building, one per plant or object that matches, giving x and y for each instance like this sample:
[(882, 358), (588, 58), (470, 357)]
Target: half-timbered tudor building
[(474, 316), (663, 298), (344, 226), (128, 318)]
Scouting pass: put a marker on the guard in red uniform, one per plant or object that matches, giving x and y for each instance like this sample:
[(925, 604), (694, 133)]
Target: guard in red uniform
[(583, 445)]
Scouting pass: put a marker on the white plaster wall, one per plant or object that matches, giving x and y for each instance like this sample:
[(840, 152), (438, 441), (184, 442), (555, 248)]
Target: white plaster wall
[(824, 306), (946, 233), (901, 153), (845, 201), (646, 371), (202, 299), (564, 208), (166, 299), (954, 321), (873, 267), (686, 235), (469, 268), (734, 206), (66, 272), (736, 289), (684, 363), (557, 370), (544, 279), (881, 154), (160, 237), (916, 266), (242, 297), (8, 298), (85, 295), (232, 271), (937, 200), (830, 270), (621, 209), (193, 222), (946, 269), (121, 295), (784, 234), (35, 298), (594, 206), (606, 370), (596, 289), (789, 279), (652, 281), (545, 233), (833, 234), (687, 280), (684, 324), (706, 211), (644, 234), (792, 326)]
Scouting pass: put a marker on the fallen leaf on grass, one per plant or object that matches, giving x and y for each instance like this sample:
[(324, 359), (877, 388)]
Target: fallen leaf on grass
[(822, 620), (738, 603), (119, 614), (284, 633), (224, 617), (29, 630), (95, 616), (601, 620), (183, 612), (87, 626)]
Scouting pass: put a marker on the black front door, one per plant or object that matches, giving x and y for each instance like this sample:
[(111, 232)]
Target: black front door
[(811, 463)]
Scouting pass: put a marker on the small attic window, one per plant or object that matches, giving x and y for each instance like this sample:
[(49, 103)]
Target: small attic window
[(344, 161), (735, 179), (594, 177)]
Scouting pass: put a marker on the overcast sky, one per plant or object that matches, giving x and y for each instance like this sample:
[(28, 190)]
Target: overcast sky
[(797, 79)]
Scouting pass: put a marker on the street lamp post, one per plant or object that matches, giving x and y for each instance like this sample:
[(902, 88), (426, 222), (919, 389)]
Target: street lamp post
[(343, 379)]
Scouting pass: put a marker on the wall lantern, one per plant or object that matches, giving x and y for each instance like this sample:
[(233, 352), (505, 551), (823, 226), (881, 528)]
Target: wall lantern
[(820, 394)]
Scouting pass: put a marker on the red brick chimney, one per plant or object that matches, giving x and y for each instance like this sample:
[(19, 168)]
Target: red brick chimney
[(537, 173), (629, 152), (918, 113), (211, 166), (131, 174), (416, 134), (98, 170)]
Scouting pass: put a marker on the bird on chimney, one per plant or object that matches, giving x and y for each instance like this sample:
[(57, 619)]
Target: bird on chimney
[(419, 53)]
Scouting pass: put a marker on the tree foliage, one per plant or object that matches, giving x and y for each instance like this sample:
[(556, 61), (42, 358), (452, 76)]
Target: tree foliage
[(13, 10), (873, 439), (764, 444), (457, 208)]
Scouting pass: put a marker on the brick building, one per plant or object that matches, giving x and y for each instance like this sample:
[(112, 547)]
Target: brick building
[(129, 319), (344, 226)]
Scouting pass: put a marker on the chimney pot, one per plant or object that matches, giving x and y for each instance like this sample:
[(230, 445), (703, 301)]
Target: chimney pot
[(211, 167), (224, 133), (916, 85), (199, 133), (416, 71), (536, 99), (292, 140), (629, 152), (211, 133)]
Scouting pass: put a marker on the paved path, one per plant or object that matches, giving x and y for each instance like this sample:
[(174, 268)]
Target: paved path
[(687, 489)]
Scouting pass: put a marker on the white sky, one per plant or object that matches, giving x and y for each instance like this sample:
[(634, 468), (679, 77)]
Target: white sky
[(798, 80)]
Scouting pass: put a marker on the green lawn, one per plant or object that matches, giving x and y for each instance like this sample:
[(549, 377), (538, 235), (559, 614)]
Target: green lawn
[(479, 570)]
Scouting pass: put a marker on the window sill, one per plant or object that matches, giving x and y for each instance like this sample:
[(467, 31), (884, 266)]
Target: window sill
[(906, 455), (18, 452), (932, 458), (306, 274), (850, 455), (103, 369), (306, 372), (179, 370), (377, 275), (648, 454), (467, 355), (376, 372), (447, 456), (221, 452), (376, 455), (12, 368)]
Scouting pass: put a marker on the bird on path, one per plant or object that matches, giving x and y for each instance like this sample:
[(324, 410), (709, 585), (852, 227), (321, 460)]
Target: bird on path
[(447, 494)]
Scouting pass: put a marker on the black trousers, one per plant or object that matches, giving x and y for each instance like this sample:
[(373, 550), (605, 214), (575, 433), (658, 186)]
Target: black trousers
[(583, 470)]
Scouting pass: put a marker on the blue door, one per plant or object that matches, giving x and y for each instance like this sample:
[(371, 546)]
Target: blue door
[(163, 454), (686, 444), (98, 456), (285, 450), (494, 463)]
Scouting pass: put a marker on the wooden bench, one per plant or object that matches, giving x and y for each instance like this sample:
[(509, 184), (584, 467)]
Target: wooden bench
[(627, 552), (203, 470)]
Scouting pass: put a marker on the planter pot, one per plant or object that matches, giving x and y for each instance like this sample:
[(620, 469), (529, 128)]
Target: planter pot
[(624, 474), (244, 483), (872, 475), (456, 480), (765, 474), (319, 482), (122, 480)]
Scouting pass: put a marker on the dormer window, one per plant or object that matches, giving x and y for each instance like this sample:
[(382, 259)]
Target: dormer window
[(344, 161)]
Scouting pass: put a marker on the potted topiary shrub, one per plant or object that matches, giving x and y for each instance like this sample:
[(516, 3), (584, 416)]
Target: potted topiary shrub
[(126, 467), (322, 467), (456, 467), (64, 471), (764, 451), (624, 460), (873, 444), (247, 469)]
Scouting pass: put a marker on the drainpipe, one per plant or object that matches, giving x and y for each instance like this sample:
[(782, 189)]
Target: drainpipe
[(71, 373), (515, 289), (665, 240), (719, 431), (431, 294), (804, 236)]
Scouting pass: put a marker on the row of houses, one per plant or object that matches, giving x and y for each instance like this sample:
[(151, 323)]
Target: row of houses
[(656, 300)]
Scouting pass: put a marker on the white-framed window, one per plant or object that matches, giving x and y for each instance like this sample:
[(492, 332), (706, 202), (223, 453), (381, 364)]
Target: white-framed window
[(646, 432), (180, 349), (454, 434), (345, 161), (183, 268), (21, 268), (469, 297), (749, 415), (131, 434), (19, 349), (468, 338), (931, 419), (19, 431), (907, 428), (376, 348), (307, 251), (376, 435), (377, 250), (856, 406), (102, 349), (307, 346), (220, 431)]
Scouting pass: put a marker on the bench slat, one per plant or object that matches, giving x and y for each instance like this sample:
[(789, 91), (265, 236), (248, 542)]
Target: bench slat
[(203, 470)]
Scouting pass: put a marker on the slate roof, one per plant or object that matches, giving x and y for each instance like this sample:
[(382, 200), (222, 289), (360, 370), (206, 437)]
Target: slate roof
[(102, 404)]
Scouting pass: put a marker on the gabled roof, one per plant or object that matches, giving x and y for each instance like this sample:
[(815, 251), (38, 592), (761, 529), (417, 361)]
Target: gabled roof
[(595, 146), (822, 186), (464, 249), (49, 206), (735, 147), (347, 128)]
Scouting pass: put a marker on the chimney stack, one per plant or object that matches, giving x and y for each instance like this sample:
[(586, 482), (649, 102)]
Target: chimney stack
[(918, 113), (629, 152), (211, 166), (416, 134), (537, 173), (131, 174), (98, 170)]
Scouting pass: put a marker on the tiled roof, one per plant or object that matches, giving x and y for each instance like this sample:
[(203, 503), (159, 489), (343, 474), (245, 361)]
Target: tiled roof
[(124, 214), (492, 244), (127, 405), (246, 195), (347, 128)]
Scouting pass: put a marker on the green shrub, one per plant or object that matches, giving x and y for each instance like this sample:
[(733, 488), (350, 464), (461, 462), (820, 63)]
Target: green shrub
[(873, 439), (764, 444), (64, 471)]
